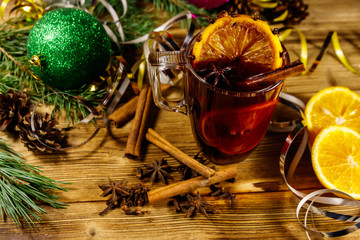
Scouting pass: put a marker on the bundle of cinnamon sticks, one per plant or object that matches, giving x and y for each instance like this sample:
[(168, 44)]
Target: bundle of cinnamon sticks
[(139, 106)]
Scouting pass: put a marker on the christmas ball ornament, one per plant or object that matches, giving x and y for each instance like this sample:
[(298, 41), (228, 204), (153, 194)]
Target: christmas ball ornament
[(208, 4), (68, 48)]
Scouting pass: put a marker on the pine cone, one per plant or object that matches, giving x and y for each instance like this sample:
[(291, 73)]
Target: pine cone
[(13, 108), (45, 130)]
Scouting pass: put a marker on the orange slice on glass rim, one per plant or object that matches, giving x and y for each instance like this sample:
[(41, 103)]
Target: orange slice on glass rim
[(336, 159), (332, 106), (249, 43)]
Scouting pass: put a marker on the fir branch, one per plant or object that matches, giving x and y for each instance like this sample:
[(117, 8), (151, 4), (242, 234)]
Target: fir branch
[(13, 44), (14, 63), (20, 185)]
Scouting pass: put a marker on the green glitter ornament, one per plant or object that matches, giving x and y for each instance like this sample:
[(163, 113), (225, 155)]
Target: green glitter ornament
[(71, 46)]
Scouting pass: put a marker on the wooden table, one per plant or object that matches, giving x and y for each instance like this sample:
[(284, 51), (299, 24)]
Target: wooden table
[(265, 208)]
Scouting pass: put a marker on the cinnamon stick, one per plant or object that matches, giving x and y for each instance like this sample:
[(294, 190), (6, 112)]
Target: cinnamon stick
[(279, 74), (124, 113), (165, 145), (190, 185), (138, 129)]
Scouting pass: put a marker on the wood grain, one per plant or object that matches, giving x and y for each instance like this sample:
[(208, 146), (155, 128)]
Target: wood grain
[(265, 208)]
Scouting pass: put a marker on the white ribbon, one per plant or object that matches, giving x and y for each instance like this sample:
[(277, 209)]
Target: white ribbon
[(115, 17)]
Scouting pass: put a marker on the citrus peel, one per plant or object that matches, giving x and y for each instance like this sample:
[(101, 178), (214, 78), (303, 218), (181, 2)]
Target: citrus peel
[(241, 39)]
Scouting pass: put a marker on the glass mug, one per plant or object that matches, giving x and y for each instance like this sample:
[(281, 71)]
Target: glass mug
[(227, 125)]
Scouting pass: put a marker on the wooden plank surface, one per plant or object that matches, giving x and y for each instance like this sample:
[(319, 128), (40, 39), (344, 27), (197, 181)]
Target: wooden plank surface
[(265, 207)]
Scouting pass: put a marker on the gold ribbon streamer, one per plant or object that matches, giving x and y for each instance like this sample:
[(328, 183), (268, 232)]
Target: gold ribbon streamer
[(33, 9), (3, 7), (265, 3), (332, 37), (340, 54), (303, 43), (30, 8), (282, 17), (141, 72)]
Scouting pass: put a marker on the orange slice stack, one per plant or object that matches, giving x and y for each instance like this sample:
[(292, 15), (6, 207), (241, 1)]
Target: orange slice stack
[(333, 120)]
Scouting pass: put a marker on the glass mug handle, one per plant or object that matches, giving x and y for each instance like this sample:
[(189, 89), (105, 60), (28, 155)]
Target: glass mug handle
[(160, 61)]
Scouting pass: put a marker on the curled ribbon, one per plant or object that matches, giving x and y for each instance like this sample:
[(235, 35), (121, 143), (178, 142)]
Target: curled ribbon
[(316, 196), (332, 37)]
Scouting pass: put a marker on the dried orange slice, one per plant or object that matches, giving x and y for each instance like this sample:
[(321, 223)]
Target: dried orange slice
[(249, 43), (332, 106), (336, 159)]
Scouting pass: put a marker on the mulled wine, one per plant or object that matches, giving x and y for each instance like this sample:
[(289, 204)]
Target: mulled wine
[(229, 124)]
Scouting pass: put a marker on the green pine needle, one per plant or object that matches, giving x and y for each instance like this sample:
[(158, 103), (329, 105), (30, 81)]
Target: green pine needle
[(21, 185)]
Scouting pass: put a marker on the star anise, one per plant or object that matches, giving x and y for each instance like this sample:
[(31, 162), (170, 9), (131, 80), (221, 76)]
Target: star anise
[(156, 171), (218, 71), (186, 172), (194, 205), (116, 190)]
